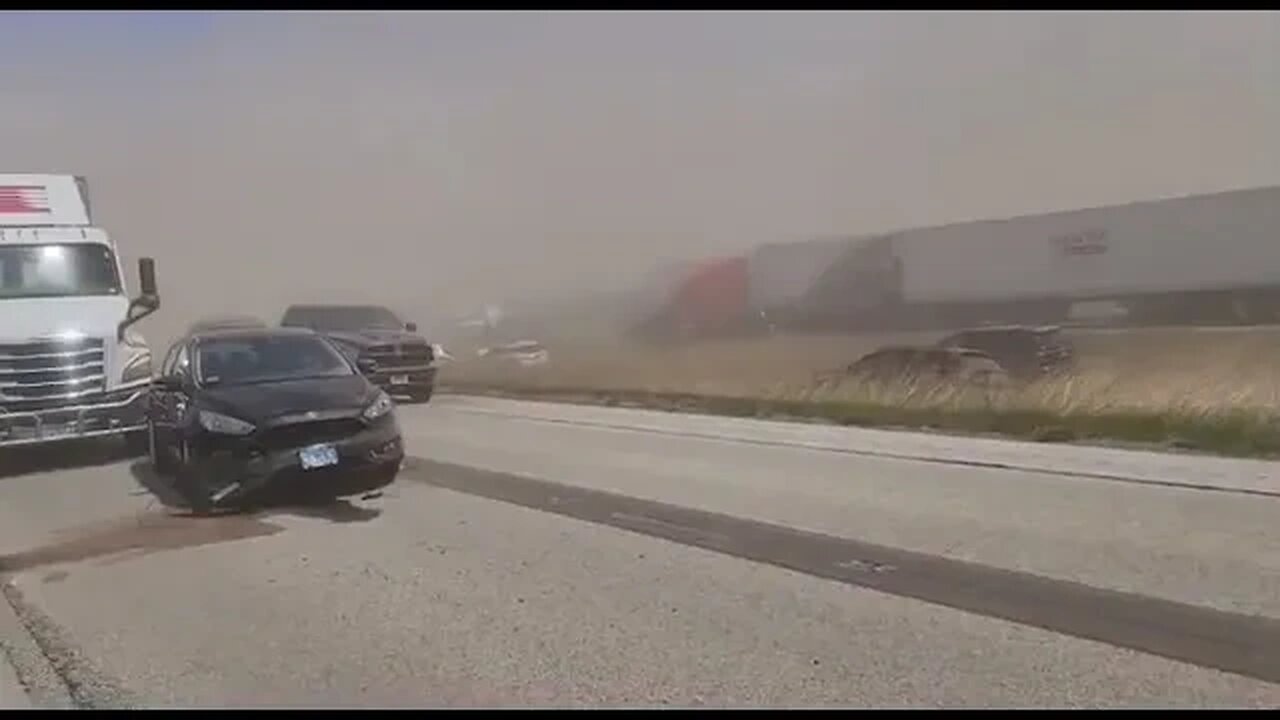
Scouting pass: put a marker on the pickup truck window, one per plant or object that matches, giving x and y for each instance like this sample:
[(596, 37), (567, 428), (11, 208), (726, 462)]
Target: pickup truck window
[(61, 270), (342, 317)]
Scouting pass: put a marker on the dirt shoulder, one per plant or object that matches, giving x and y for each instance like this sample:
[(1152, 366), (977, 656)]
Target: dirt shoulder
[(1239, 435), (1205, 391)]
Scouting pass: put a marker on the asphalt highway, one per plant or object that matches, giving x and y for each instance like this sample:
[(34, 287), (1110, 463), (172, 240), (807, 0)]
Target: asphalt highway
[(541, 555)]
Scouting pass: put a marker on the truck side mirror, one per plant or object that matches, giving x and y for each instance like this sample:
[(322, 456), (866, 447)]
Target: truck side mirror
[(147, 302), (147, 276), (411, 326)]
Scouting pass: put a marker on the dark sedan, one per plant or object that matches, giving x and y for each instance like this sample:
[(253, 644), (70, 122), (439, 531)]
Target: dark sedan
[(240, 415)]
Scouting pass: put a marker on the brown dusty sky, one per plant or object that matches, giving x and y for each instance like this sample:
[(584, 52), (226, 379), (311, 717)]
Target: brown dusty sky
[(440, 160)]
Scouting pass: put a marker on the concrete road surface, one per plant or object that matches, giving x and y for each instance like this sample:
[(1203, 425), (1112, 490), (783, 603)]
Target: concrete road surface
[(548, 555)]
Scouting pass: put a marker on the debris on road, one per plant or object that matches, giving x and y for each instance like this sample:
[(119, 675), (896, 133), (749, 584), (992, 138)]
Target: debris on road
[(527, 353)]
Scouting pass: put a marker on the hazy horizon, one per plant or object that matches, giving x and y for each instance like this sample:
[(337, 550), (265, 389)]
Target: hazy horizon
[(435, 160)]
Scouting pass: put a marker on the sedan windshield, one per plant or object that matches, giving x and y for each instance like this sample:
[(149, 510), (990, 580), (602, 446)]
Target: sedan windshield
[(266, 358), (70, 269)]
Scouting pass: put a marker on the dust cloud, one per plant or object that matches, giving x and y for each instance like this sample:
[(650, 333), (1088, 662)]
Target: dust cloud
[(439, 161)]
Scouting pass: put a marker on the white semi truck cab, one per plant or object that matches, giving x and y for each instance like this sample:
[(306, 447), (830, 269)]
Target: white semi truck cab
[(72, 364)]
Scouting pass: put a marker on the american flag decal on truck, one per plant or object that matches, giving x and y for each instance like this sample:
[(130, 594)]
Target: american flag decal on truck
[(24, 199)]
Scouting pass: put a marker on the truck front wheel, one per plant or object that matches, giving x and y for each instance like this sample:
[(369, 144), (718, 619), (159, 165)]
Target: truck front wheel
[(137, 443)]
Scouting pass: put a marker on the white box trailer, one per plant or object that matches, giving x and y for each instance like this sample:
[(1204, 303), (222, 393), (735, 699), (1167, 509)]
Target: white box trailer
[(1212, 243), (71, 363)]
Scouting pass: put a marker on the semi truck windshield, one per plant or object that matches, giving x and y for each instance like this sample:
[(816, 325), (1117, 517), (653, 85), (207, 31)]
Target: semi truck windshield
[(57, 270)]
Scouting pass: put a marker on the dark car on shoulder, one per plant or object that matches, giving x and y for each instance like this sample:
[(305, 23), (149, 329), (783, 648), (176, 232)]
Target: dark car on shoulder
[(247, 415), (392, 353), (1025, 352)]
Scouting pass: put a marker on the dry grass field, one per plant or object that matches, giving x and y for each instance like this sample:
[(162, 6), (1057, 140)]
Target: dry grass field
[(1159, 370), (1207, 389)]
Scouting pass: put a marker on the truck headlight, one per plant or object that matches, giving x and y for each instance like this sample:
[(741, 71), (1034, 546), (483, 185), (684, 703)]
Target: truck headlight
[(224, 424), (137, 357), (136, 369), (379, 407)]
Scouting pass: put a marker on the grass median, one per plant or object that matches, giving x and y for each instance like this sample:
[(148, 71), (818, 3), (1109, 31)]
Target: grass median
[(1211, 392)]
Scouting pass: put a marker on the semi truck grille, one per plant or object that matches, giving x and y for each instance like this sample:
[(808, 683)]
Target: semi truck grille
[(50, 373), (404, 355)]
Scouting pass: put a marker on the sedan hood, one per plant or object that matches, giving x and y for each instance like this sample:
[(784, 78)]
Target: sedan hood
[(260, 402)]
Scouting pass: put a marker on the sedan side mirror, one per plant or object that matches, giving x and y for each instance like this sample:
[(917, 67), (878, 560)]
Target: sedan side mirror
[(411, 326), (367, 365)]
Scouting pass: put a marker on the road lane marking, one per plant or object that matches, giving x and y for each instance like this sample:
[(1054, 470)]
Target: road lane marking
[(667, 528), (1233, 642)]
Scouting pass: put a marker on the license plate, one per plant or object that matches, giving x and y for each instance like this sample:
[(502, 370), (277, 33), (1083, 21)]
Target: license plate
[(318, 456), (399, 379)]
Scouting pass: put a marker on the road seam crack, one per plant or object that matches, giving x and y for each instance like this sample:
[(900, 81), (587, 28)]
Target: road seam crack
[(86, 687)]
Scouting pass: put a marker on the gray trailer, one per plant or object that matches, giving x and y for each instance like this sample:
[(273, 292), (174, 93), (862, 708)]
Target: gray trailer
[(1208, 258), (1223, 247)]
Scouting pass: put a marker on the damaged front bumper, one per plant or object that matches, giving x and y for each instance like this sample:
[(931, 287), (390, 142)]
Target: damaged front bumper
[(235, 470), (107, 414)]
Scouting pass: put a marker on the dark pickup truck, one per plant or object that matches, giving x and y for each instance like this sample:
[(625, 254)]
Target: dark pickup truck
[(389, 351)]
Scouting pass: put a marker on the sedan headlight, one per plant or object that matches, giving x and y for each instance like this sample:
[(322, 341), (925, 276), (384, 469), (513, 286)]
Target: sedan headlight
[(223, 424), (379, 407)]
